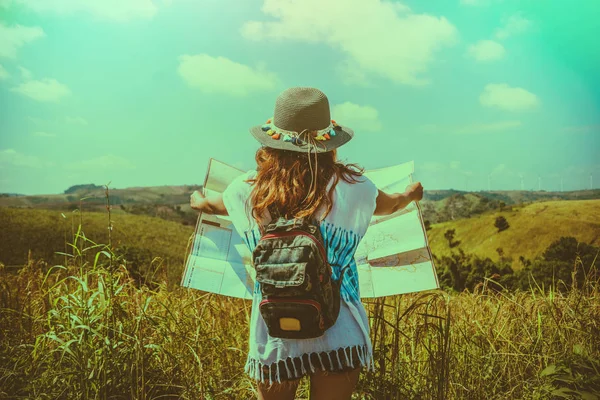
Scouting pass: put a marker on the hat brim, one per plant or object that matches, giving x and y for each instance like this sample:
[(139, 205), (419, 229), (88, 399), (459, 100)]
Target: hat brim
[(342, 136)]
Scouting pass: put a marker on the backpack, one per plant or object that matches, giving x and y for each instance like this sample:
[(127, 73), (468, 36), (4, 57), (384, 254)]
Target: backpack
[(300, 300)]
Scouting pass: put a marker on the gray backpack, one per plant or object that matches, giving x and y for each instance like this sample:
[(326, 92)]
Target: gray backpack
[(300, 300)]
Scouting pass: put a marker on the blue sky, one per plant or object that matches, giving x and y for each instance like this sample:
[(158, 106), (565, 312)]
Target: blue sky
[(144, 92)]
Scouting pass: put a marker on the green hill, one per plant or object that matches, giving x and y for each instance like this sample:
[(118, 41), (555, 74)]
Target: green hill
[(532, 229), (172, 202), (140, 238)]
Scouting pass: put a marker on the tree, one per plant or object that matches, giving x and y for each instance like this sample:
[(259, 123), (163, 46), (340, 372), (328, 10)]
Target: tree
[(525, 262), (565, 263), (449, 235), (427, 225), (501, 223), (500, 252)]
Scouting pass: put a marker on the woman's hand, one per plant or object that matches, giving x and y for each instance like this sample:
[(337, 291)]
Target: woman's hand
[(197, 201), (210, 205), (415, 191)]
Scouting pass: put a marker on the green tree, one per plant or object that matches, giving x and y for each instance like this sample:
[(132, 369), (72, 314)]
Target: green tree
[(449, 235), (566, 261), (501, 223), (427, 225)]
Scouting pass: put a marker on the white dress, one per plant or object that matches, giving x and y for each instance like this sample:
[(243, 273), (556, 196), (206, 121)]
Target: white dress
[(347, 343)]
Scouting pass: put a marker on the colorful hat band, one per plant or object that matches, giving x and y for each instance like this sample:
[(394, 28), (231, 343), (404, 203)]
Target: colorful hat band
[(291, 136)]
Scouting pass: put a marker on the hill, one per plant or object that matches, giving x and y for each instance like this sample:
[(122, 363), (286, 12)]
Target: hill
[(532, 229), (172, 202), (448, 205), (516, 196), (139, 238), (167, 202)]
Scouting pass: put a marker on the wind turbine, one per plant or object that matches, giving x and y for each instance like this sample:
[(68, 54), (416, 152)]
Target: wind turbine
[(522, 186), (561, 184), (539, 183), (591, 181), (489, 182)]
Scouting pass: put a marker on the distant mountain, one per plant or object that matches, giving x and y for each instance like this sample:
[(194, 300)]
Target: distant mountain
[(517, 196), (168, 202), (10, 194), (80, 188)]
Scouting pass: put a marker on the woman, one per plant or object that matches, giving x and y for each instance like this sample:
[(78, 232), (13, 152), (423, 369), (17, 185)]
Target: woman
[(298, 174)]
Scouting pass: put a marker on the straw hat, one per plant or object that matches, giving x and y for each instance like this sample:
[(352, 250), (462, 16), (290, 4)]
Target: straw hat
[(302, 122)]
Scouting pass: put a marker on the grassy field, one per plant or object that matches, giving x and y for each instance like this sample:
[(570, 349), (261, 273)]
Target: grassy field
[(87, 332), (532, 229)]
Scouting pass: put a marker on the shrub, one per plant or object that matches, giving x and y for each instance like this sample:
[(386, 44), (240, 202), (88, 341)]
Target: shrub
[(501, 223)]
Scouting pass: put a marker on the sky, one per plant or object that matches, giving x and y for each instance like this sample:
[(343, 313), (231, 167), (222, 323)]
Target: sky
[(480, 94)]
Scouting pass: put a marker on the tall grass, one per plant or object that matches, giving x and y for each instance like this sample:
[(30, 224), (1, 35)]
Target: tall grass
[(88, 330)]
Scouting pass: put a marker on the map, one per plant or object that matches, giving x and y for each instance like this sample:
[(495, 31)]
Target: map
[(393, 257)]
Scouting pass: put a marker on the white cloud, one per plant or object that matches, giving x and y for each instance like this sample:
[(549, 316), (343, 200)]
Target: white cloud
[(221, 75), (351, 74), (25, 73), (107, 162), (76, 120), (16, 36), (45, 90), (513, 25), (499, 169), (11, 157), (486, 50), (500, 95), (116, 10), (356, 117), (380, 37), (44, 134), (3, 73)]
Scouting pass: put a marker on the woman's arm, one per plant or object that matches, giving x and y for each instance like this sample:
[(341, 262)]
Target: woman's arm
[(210, 205), (387, 204)]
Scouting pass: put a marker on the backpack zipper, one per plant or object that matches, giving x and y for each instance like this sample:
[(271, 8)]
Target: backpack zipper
[(309, 302), (314, 239)]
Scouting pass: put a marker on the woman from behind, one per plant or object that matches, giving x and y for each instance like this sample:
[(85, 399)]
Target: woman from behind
[(299, 177)]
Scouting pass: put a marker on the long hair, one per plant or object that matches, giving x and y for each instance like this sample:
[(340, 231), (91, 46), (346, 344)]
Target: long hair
[(296, 183)]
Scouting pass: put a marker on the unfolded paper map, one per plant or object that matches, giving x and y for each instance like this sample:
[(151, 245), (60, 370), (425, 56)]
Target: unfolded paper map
[(392, 258)]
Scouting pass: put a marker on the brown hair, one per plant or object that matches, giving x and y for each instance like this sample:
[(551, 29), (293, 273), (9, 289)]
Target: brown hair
[(296, 183)]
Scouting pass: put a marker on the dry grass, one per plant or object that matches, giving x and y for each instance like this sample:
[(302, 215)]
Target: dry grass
[(87, 332)]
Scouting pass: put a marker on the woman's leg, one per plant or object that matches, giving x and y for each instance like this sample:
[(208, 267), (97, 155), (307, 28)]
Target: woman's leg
[(285, 390), (333, 386)]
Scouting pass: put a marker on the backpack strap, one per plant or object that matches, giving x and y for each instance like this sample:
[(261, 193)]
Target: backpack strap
[(275, 215)]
